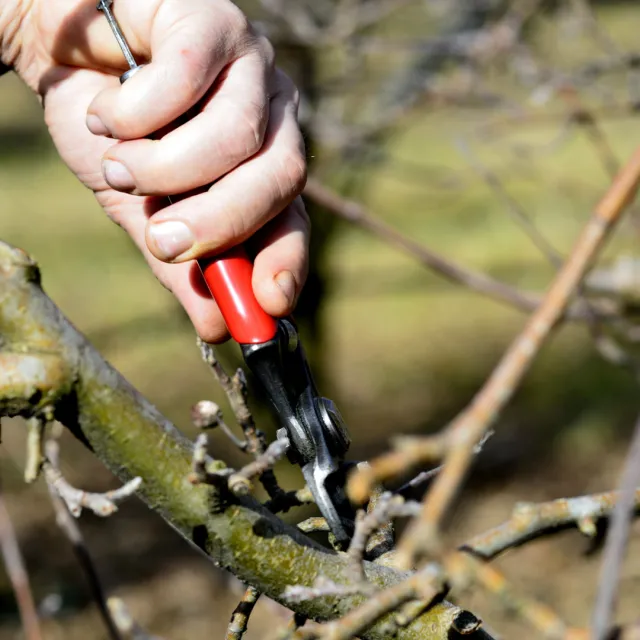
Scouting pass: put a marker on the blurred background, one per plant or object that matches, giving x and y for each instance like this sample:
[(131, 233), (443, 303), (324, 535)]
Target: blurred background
[(486, 130)]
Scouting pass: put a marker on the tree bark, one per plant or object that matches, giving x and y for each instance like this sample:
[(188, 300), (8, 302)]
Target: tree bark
[(47, 365)]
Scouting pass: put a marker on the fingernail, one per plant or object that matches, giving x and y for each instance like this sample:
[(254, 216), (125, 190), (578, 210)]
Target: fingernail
[(118, 176), (171, 239), (96, 126), (287, 284)]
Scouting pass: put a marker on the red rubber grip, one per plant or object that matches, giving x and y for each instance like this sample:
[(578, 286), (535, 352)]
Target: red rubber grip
[(229, 279)]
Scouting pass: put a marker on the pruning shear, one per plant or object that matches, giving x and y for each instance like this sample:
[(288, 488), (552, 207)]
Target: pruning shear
[(317, 435)]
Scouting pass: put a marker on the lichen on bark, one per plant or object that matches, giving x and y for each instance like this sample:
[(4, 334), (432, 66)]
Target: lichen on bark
[(132, 438)]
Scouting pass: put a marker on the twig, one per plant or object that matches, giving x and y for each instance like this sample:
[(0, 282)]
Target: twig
[(530, 521), (290, 499), (125, 623), (240, 481), (70, 528), (208, 415), (102, 504), (18, 575), (35, 457), (425, 585), (215, 473), (389, 506), (203, 469), (357, 214), (236, 391), (324, 587), (457, 442), (315, 524), (512, 206), (240, 617), (616, 542)]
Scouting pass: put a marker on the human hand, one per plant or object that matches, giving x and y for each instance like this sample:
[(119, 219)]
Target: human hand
[(237, 129)]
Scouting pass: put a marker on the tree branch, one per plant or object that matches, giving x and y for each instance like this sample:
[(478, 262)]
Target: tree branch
[(530, 521), (133, 439), (18, 576)]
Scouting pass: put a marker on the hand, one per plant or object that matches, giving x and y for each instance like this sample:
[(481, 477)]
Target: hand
[(237, 132)]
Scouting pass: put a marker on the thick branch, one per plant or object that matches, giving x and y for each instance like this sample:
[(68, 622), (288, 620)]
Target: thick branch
[(133, 439)]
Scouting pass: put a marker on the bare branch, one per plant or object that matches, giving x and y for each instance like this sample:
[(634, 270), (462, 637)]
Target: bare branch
[(314, 525), (208, 415), (35, 444), (462, 568), (111, 417), (236, 391), (102, 504), (530, 521), (240, 481), (70, 528), (17, 573), (617, 539), (355, 213), (324, 587), (389, 506)]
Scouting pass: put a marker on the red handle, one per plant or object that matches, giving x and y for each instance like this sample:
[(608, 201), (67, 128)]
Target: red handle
[(229, 279)]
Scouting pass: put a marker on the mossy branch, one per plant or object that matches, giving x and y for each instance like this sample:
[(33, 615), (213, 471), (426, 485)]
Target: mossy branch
[(48, 364)]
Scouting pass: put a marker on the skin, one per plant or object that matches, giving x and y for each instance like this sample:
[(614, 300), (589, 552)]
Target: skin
[(228, 141)]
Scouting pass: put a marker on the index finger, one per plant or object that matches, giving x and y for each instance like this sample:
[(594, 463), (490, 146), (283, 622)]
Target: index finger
[(188, 42)]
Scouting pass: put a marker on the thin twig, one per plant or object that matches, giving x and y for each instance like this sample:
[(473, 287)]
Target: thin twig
[(18, 575), (102, 504), (240, 617), (389, 506), (240, 481), (314, 524), (425, 585), (357, 214), (208, 415), (513, 207), (235, 388), (323, 587), (530, 521), (289, 499), (616, 542), (71, 530), (35, 455)]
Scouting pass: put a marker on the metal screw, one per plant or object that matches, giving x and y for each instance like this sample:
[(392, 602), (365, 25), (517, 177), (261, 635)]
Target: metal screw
[(105, 7)]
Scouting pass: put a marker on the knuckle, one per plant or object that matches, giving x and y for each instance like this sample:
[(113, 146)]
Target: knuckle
[(245, 133), (251, 127), (293, 172)]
